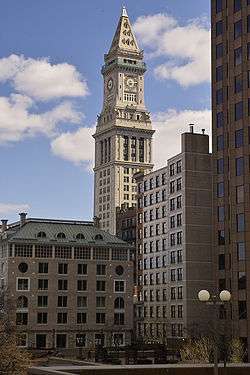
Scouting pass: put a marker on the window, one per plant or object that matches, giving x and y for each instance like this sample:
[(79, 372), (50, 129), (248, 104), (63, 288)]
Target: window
[(171, 169), (62, 301), (240, 194), (219, 28), (180, 292), (23, 267), (221, 213), (179, 256), (42, 301), (242, 280), (219, 73), (80, 340), (178, 187), (219, 50), (239, 166), (81, 285), (100, 318), (42, 318), (22, 340), (220, 166), (61, 235), (172, 293), (241, 251), (248, 23), (100, 269), (100, 302), (240, 219), (239, 138), (172, 275), (172, 221), (82, 269), (62, 318), (172, 187), (100, 286), (219, 96), (41, 235), (172, 257), (221, 261), (220, 189), (61, 340), (62, 284), (43, 268), (172, 239), (119, 318), (63, 268), (238, 84), (238, 111), (238, 56), (80, 236), (43, 284), (172, 204), (172, 310), (221, 237), (237, 5), (219, 119), (248, 51), (237, 29), (218, 6), (179, 238), (119, 303), (220, 142), (23, 284), (22, 318), (178, 201), (242, 309), (119, 286)]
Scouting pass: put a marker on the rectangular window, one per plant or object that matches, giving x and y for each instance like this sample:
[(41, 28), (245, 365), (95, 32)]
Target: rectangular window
[(220, 166), (100, 302), (219, 119), (23, 284), (221, 261), (240, 194), (238, 56), (22, 318), (119, 318), (240, 220), (237, 5), (239, 166), (220, 142), (43, 284), (219, 96), (248, 24), (42, 318), (82, 269), (238, 111), (62, 318), (61, 340), (221, 237), (81, 285), (221, 213), (100, 269), (220, 189), (248, 51), (219, 28), (43, 267), (62, 301), (62, 268), (242, 280), (100, 318), (81, 302), (80, 340), (172, 169), (178, 202), (219, 73), (238, 84), (239, 138), (218, 6), (219, 50), (42, 301), (62, 284), (242, 309), (241, 251), (100, 286), (237, 29)]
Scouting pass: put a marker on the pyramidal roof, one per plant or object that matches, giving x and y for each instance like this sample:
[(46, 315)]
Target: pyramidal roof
[(124, 38)]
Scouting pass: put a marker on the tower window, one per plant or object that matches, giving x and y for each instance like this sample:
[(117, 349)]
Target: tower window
[(130, 97)]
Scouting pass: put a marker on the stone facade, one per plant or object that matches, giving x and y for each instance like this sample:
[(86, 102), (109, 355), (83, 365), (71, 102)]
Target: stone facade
[(70, 284), (230, 126), (124, 131), (175, 261)]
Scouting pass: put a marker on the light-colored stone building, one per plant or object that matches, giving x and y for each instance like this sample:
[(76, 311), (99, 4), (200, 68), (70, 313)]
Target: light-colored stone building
[(124, 131), (174, 244), (69, 284)]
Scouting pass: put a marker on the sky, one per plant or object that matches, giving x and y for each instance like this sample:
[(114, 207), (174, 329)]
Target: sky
[(51, 53)]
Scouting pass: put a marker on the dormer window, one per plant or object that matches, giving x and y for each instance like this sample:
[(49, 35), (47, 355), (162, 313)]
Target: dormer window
[(98, 237), (80, 236), (61, 235), (41, 235)]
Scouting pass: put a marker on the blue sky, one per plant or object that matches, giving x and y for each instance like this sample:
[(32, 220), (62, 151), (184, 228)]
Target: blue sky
[(51, 92)]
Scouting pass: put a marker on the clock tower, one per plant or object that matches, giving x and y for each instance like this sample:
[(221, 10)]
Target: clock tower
[(123, 137)]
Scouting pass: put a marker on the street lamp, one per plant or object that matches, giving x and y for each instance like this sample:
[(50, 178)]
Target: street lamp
[(224, 296)]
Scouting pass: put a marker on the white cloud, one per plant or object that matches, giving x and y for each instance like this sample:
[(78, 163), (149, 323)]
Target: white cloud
[(77, 147), (169, 125), (18, 120), (6, 208), (186, 49), (42, 80)]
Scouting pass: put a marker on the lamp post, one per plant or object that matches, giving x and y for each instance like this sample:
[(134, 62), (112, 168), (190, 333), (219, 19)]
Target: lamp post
[(224, 296)]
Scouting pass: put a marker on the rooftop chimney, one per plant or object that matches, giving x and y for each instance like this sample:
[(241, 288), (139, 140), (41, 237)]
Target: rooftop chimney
[(191, 128), (4, 225), (22, 218), (203, 131), (96, 222)]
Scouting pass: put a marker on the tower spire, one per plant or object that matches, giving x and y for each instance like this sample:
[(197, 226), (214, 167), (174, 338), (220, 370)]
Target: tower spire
[(124, 39)]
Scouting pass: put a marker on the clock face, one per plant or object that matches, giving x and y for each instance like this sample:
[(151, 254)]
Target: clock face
[(130, 82), (110, 84)]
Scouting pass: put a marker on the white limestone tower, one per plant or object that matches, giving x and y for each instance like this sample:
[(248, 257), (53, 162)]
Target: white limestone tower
[(124, 132)]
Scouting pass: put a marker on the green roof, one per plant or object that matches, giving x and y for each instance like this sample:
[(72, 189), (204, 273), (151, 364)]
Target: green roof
[(29, 232)]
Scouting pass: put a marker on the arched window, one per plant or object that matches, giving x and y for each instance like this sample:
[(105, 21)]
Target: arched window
[(80, 236), (22, 302), (61, 235), (41, 235), (119, 303), (98, 237)]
